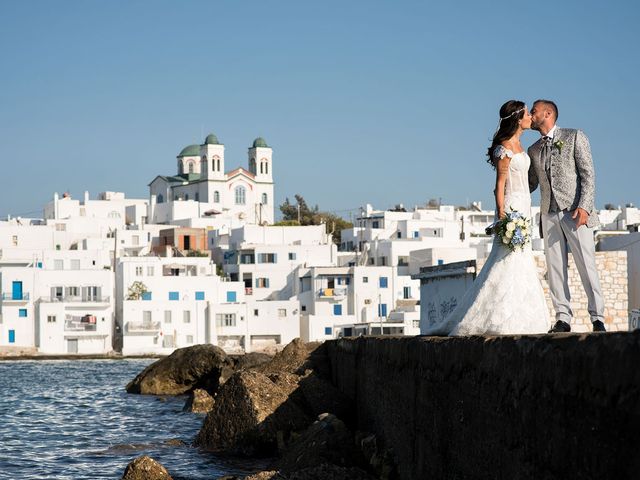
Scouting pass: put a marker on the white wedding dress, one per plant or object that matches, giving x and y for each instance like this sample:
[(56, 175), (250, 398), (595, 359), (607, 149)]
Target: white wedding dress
[(506, 297)]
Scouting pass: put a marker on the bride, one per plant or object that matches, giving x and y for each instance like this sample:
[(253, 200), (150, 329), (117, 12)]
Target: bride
[(506, 297)]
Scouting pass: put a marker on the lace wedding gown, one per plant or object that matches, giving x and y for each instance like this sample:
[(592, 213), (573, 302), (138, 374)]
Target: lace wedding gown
[(506, 297)]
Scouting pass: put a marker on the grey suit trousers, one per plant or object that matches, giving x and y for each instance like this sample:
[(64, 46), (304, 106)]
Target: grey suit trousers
[(560, 232)]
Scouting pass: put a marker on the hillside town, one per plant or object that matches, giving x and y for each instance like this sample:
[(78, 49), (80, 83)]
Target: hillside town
[(204, 260)]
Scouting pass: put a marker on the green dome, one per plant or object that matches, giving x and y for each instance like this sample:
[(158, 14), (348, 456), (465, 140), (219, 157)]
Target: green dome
[(260, 142), (211, 140), (190, 151)]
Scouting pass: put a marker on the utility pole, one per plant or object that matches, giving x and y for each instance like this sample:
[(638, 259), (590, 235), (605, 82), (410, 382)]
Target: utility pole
[(298, 206)]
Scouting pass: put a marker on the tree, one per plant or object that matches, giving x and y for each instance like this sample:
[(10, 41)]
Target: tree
[(312, 216)]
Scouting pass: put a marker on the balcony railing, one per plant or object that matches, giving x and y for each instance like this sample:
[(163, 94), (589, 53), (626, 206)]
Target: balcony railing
[(143, 327), (79, 326), (10, 297), (76, 299), (332, 292)]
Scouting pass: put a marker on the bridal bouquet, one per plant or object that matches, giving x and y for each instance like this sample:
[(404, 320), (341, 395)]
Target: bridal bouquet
[(513, 230)]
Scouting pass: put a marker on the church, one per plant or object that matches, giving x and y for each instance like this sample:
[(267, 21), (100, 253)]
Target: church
[(242, 194)]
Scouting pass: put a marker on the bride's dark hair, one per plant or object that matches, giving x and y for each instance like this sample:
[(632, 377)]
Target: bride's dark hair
[(510, 113)]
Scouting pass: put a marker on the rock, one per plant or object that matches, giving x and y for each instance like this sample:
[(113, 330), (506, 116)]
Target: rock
[(326, 441), (145, 468), (199, 401), (250, 360), (330, 472), (296, 357), (175, 442), (249, 411), (264, 476), (200, 366), (321, 396)]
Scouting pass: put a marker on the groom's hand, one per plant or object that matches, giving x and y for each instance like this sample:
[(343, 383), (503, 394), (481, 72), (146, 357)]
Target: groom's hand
[(581, 216)]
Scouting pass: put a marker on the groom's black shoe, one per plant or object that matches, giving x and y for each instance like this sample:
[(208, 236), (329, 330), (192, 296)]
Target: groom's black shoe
[(598, 326), (561, 327)]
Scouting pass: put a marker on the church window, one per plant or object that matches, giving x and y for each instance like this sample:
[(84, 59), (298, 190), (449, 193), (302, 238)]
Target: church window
[(264, 198), (266, 168), (160, 198), (190, 167), (261, 167), (216, 197), (218, 164), (240, 195), (252, 165)]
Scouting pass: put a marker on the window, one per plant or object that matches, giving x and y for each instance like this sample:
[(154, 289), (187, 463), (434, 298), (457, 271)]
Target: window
[(186, 316), (190, 167), (292, 255), (266, 167), (406, 292), (174, 296), (75, 264), (150, 272), (167, 316), (199, 295), (138, 271), (58, 264), (231, 297), (255, 312), (240, 195), (186, 196), (216, 197), (416, 234), (267, 258), (226, 319), (337, 309), (160, 198), (93, 294), (135, 240), (382, 310), (197, 196), (146, 316), (22, 312), (365, 279), (384, 282), (218, 164), (189, 338), (12, 336), (61, 227), (57, 293), (262, 283), (146, 296), (328, 331), (376, 224), (14, 241), (398, 234), (51, 319), (282, 312), (264, 198)]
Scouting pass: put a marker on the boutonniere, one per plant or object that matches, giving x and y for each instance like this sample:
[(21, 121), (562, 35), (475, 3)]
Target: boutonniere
[(558, 144)]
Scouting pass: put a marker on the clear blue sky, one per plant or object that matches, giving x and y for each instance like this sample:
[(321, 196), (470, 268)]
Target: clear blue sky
[(363, 101)]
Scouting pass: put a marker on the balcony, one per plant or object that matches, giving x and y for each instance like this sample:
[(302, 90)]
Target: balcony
[(81, 324), (12, 298), (142, 327), (340, 292), (75, 299)]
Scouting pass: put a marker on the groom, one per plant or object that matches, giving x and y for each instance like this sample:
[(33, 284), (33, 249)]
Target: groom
[(561, 164)]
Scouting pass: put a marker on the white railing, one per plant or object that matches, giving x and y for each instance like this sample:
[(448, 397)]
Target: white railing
[(142, 327)]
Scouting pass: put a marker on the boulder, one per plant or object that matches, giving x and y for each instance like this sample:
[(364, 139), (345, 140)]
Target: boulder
[(321, 396), (250, 360), (199, 401), (250, 413), (145, 468), (326, 441), (268, 475), (200, 366), (296, 357)]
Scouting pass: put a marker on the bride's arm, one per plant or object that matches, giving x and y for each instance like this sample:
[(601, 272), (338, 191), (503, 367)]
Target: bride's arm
[(502, 170)]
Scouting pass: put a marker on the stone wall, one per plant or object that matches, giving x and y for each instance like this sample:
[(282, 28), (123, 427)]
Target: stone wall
[(612, 267), (532, 407)]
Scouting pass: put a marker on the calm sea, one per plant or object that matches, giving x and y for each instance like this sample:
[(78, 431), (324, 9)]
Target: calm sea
[(74, 420)]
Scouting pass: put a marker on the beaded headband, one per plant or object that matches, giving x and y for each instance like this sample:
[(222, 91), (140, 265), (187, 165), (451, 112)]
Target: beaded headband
[(508, 116)]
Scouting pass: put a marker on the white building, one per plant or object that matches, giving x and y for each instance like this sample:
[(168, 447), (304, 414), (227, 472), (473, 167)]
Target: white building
[(203, 187)]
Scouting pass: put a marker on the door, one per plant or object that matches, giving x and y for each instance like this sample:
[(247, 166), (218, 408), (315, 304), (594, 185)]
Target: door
[(72, 345), (16, 291)]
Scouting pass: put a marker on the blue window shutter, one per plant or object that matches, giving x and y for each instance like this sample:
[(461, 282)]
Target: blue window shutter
[(12, 336), (383, 282), (327, 331), (22, 312), (275, 258), (266, 283), (231, 297), (337, 309), (146, 296), (174, 296), (382, 309), (199, 295)]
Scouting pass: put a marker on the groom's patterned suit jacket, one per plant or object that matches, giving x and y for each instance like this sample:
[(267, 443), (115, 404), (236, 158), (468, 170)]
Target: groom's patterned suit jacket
[(571, 172)]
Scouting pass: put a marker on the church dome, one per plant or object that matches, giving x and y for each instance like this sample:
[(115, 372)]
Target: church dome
[(260, 142), (211, 140), (190, 151)]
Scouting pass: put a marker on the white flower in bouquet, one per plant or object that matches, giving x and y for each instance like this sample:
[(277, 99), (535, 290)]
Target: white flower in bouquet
[(505, 240), (511, 226)]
